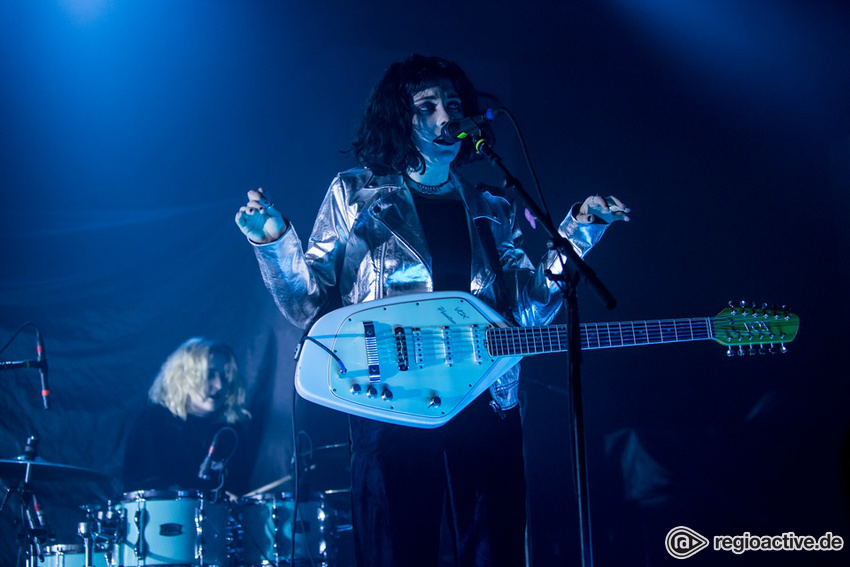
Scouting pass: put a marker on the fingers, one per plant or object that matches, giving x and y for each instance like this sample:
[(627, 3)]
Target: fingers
[(604, 209), (596, 202), (257, 201), (615, 203)]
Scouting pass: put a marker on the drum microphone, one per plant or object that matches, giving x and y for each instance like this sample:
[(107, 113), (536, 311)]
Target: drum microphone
[(41, 362), (456, 130), (213, 463)]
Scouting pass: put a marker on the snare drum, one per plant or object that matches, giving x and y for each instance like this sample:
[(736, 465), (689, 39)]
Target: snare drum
[(72, 555), (265, 530), (172, 528)]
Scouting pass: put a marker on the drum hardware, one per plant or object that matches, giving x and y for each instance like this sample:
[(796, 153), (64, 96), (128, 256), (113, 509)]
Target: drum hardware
[(72, 555), (271, 531), (34, 532), (102, 526), (84, 530)]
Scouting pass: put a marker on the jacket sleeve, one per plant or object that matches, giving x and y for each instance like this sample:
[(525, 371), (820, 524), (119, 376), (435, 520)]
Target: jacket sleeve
[(297, 279), (537, 299)]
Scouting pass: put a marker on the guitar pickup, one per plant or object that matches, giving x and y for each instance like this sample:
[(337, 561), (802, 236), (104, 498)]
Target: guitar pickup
[(374, 368), (418, 355), (475, 331), (447, 344)]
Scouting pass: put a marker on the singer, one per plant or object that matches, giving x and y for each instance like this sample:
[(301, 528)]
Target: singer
[(404, 221), (197, 393)]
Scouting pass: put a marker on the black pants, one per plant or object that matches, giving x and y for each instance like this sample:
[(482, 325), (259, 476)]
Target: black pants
[(403, 476)]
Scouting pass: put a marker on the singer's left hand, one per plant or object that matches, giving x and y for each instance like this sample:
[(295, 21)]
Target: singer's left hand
[(602, 210)]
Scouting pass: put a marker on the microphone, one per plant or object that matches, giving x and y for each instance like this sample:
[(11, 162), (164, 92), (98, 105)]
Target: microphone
[(213, 463), (41, 362), (456, 130)]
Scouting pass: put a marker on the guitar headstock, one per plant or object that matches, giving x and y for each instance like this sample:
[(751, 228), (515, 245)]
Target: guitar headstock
[(763, 330)]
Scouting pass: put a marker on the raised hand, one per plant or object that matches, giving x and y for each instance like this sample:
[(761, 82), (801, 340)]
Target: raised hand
[(602, 209), (259, 220)]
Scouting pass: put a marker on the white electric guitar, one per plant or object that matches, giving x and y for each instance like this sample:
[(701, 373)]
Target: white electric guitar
[(420, 359)]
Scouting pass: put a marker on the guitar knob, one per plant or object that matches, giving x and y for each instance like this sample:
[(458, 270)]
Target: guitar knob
[(387, 396), (435, 402), (355, 389), (371, 392)]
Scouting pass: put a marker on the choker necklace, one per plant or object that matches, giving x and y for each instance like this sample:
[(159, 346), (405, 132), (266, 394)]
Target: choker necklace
[(427, 189)]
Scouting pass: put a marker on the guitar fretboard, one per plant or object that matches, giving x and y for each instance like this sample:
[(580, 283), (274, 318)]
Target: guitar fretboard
[(520, 341)]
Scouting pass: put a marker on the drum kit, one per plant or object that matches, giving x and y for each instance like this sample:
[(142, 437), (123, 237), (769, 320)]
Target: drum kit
[(192, 528)]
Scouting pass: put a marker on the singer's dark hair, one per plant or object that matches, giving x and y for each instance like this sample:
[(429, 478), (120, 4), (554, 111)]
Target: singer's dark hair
[(383, 141)]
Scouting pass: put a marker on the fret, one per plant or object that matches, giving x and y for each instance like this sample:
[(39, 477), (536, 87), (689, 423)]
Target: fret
[(522, 341), (619, 334)]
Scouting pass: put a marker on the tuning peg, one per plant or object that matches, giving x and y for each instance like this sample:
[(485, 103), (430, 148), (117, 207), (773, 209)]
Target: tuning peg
[(741, 350), (782, 348), (734, 307), (730, 352)]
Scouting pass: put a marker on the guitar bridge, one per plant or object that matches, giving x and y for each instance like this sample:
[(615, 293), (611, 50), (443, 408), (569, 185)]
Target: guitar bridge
[(401, 349)]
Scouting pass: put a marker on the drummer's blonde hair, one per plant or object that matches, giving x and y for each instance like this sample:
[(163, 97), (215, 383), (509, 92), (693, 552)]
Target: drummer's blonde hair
[(185, 371)]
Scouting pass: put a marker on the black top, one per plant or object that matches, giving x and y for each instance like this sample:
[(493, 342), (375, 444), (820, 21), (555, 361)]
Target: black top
[(444, 222), (164, 452)]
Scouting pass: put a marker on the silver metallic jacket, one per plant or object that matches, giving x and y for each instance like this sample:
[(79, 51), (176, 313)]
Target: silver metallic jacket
[(368, 241)]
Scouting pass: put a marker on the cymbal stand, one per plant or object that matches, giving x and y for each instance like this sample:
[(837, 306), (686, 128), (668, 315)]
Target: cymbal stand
[(34, 531)]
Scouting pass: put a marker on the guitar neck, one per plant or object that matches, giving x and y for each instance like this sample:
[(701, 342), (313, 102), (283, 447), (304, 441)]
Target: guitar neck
[(523, 341)]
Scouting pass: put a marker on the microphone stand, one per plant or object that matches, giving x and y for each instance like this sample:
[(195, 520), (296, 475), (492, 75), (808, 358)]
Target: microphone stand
[(567, 281)]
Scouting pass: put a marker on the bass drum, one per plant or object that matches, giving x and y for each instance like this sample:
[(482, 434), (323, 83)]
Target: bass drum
[(265, 530), (71, 555), (172, 528)]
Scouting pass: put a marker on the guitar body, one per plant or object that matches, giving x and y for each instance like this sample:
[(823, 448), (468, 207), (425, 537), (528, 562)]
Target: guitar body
[(420, 375)]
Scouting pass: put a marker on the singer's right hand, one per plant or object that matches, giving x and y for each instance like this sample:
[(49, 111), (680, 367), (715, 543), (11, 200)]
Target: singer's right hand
[(259, 219)]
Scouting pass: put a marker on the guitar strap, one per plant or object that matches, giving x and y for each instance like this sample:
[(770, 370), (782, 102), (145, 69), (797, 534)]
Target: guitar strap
[(484, 227)]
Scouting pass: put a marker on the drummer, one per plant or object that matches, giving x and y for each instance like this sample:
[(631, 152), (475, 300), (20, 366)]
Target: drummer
[(194, 426)]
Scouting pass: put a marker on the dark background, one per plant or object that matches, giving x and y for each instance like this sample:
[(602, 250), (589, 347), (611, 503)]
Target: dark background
[(131, 132)]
